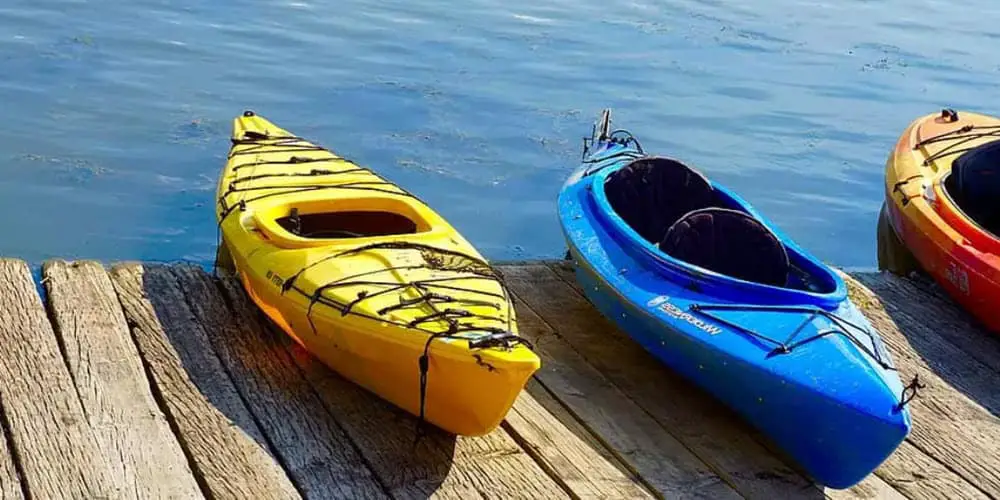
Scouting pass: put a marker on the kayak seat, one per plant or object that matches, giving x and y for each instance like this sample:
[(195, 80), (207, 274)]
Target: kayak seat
[(651, 193), (728, 242), (974, 185)]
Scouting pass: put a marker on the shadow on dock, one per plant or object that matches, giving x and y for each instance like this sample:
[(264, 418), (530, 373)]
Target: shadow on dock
[(952, 343), (330, 437), (155, 380)]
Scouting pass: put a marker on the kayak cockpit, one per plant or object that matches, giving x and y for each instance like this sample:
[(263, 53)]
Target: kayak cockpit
[(309, 222), (692, 223), (974, 185), (346, 224)]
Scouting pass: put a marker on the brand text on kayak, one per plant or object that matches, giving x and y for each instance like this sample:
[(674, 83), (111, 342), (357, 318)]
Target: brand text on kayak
[(663, 303)]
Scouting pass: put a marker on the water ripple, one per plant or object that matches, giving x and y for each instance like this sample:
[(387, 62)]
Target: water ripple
[(118, 113)]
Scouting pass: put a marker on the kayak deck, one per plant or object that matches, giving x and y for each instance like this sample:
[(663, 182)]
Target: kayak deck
[(768, 351), (260, 418)]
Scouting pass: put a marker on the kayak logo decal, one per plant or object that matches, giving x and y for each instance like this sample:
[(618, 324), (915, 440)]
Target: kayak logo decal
[(274, 278), (663, 304)]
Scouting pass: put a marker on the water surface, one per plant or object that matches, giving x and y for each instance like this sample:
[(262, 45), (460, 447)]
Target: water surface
[(116, 115)]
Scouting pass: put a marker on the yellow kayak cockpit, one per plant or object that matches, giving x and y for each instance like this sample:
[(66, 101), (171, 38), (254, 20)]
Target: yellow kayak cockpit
[(370, 280), (319, 221)]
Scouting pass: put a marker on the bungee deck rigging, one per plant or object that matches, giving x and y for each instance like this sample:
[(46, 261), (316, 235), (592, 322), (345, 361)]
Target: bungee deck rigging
[(785, 346), (694, 274), (842, 326), (941, 186), (951, 135), (370, 294)]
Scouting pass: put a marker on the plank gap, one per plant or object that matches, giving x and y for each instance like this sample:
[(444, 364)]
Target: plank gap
[(950, 426), (620, 460), (266, 436), (545, 401), (143, 453), (779, 476), (287, 408), (50, 313), (272, 329), (161, 403), (647, 458), (439, 464), (221, 436), (15, 458)]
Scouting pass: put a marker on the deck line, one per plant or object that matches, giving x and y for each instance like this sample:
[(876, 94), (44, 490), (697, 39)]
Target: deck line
[(704, 426), (949, 426), (388, 437), (313, 447), (661, 462)]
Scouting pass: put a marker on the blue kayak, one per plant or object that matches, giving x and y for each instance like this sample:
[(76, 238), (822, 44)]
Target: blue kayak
[(707, 285)]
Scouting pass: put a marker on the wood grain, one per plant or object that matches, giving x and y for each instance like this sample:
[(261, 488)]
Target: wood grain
[(10, 481), (58, 452), (699, 402), (885, 482), (313, 448), (702, 424), (142, 452), (189, 390), (919, 476), (942, 334), (440, 464), (664, 464), (949, 426), (567, 449), (227, 450)]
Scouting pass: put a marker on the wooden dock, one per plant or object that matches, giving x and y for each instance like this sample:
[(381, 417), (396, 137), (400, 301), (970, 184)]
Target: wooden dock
[(162, 381)]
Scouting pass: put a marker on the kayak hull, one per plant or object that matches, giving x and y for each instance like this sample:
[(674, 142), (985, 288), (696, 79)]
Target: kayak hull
[(370, 280), (959, 254), (829, 401)]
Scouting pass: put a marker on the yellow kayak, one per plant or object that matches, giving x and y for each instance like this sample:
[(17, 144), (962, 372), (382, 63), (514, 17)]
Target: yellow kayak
[(370, 280)]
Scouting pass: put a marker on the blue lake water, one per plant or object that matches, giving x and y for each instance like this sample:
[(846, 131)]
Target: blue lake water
[(116, 114)]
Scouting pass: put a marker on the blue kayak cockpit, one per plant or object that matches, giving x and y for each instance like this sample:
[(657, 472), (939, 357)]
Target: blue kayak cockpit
[(676, 221)]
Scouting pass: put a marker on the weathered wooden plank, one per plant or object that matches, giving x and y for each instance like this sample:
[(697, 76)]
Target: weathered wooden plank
[(490, 465), (10, 480), (58, 453), (705, 426), (439, 464), (919, 476), (948, 340), (144, 456), (948, 425), (698, 403), (317, 454), (567, 449), (871, 487), (650, 451), (227, 450)]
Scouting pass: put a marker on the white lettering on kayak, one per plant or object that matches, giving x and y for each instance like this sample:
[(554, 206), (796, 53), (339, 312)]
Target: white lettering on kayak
[(662, 303)]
